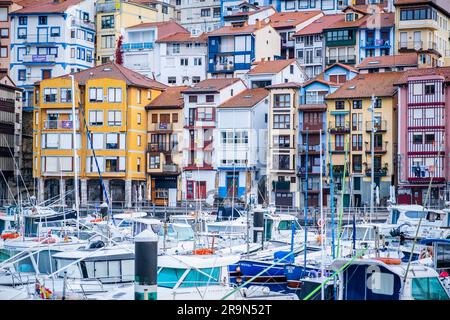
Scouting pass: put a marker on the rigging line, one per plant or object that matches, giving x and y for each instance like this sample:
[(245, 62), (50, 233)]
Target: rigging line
[(9, 189), (341, 207)]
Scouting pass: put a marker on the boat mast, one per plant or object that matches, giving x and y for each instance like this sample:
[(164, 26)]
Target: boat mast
[(75, 157), (322, 218), (306, 200), (372, 155)]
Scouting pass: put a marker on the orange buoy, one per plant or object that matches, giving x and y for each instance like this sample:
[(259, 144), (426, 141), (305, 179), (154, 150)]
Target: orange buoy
[(203, 251), (394, 261), (13, 235)]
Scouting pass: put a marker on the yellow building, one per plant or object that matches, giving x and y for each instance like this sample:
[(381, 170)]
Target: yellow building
[(111, 134), (165, 138), (423, 27), (114, 16), (349, 120)]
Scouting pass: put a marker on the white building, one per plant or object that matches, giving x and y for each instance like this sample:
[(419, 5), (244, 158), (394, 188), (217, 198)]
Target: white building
[(266, 73), (49, 40), (237, 12), (200, 103), (241, 142), (166, 52), (199, 16)]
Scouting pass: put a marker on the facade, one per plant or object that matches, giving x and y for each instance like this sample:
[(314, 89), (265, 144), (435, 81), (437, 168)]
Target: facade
[(166, 52), (287, 24), (113, 17), (199, 16), (328, 6), (350, 126), (200, 114), (310, 44), (233, 49), (165, 120), (49, 40), (266, 73), (422, 137), (6, 7), (282, 184), (238, 12), (241, 142), (111, 135), (423, 27), (401, 62)]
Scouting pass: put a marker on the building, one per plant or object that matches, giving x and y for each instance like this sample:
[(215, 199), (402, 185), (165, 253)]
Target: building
[(287, 24), (241, 143), (165, 141), (11, 153), (282, 185), (363, 31), (266, 73), (238, 12), (328, 6), (423, 27), (200, 114), (310, 44), (423, 132), (113, 17), (233, 49), (350, 125), (166, 52), (50, 39), (6, 7), (199, 16), (111, 135), (399, 62)]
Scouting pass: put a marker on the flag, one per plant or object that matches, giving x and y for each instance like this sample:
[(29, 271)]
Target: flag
[(66, 124)]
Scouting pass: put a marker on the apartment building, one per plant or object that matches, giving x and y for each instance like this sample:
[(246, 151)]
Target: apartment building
[(6, 7), (165, 121), (266, 73), (328, 6), (199, 16), (199, 151), (238, 12), (50, 39), (111, 138)]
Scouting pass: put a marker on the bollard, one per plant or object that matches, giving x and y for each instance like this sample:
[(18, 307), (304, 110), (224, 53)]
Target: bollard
[(258, 226), (145, 266)]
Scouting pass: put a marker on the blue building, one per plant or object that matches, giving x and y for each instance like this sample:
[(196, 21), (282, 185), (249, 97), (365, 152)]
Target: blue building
[(328, 6)]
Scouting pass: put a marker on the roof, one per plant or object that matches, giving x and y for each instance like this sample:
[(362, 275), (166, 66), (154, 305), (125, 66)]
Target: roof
[(46, 6), (280, 20), (212, 85), (442, 4), (318, 25), (381, 20), (350, 68), (366, 85), (273, 66), (112, 70), (165, 28), (441, 71), (285, 85), (171, 98), (246, 99), (230, 30), (182, 37), (409, 59)]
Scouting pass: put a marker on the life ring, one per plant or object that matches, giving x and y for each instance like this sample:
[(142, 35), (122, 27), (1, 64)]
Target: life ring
[(320, 223), (203, 251), (13, 235), (393, 261), (96, 220)]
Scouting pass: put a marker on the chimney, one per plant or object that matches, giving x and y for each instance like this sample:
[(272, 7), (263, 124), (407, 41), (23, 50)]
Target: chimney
[(258, 23)]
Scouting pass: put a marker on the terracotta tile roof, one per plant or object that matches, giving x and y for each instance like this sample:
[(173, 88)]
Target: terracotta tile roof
[(268, 67), (112, 70), (171, 98), (318, 25), (164, 28), (212, 85), (366, 85), (46, 6), (281, 20), (319, 78), (285, 85), (409, 59), (246, 99), (441, 71), (442, 4), (350, 68), (183, 37), (380, 20), (230, 30), (315, 107)]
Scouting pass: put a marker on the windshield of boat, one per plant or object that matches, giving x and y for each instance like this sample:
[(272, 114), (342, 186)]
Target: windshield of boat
[(429, 288), (178, 232), (169, 277), (73, 271), (360, 234), (287, 225)]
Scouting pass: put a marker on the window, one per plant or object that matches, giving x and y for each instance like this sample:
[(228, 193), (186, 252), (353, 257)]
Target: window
[(22, 75), (4, 52), (114, 94), (23, 21), (21, 33), (197, 61), (430, 89), (139, 140), (281, 121), (50, 95), (209, 98), (281, 141), (171, 80), (165, 10), (138, 95), (176, 48), (175, 117), (112, 141), (108, 41), (357, 104), (184, 61), (378, 103), (95, 94), (4, 33), (138, 164), (429, 138), (205, 12), (88, 56), (291, 69), (154, 162), (65, 95), (42, 20), (205, 114), (357, 142), (281, 162), (192, 99), (72, 54), (107, 22), (196, 79), (55, 31), (282, 100), (95, 117), (154, 118), (357, 163), (114, 118), (428, 288), (138, 118), (216, 12), (340, 105)]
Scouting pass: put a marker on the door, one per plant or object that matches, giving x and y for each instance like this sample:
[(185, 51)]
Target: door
[(201, 190), (42, 35), (172, 197), (309, 56), (403, 39), (417, 40), (232, 183)]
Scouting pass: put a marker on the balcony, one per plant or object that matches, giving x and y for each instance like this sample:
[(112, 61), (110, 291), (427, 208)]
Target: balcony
[(380, 126), (314, 60), (137, 46), (312, 170), (39, 39), (161, 126), (378, 172), (408, 46), (314, 99), (60, 125), (108, 7), (338, 171), (170, 168), (38, 59), (338, 148), (350, 59), (159, 147), (224, 67), (281, 185), (200, 123), (312, 149), (311, 126), (378, 43), (377, 149), (82, 23), (339, 128)]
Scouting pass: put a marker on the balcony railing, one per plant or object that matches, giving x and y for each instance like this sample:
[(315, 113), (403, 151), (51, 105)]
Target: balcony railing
[(311, 170), (281, 185), (379, 126), (343, 127), (311, 126), (38, 38), (377, 149), (311, 148), (161, 126), (376, 43), (82, 23), (314, 99), (38, 58), (223, 67), (108, 7), (378, 172), (137, 46), (170, 168), (338, 171), (412, 45), (60, 124), (159, 147)]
